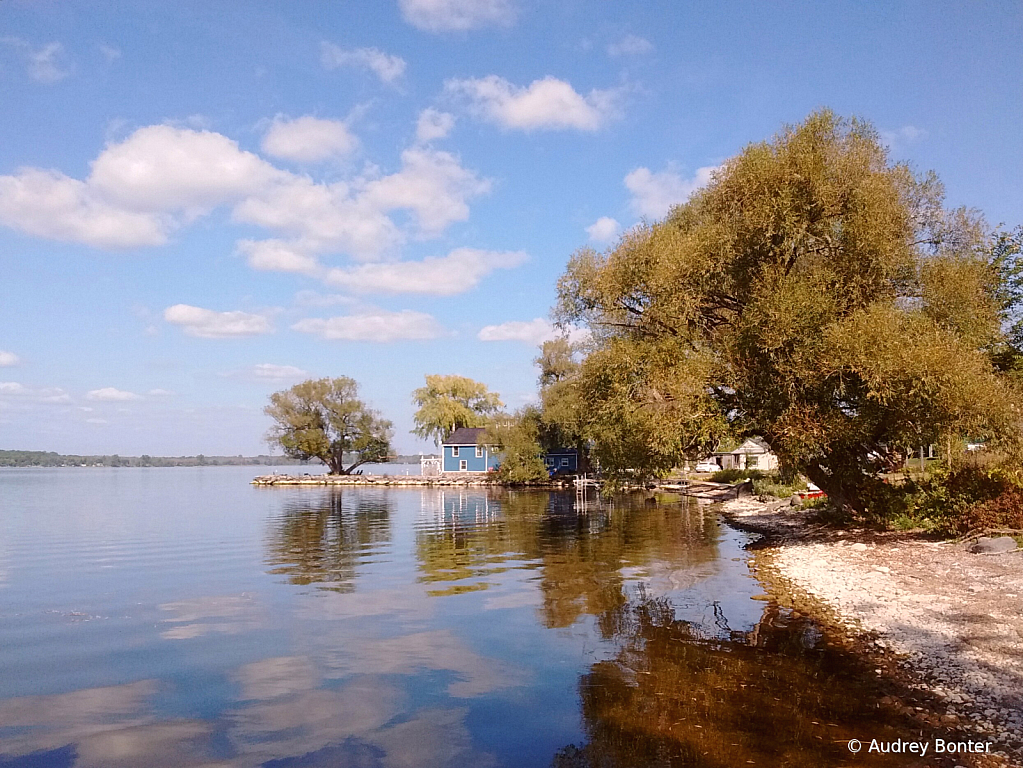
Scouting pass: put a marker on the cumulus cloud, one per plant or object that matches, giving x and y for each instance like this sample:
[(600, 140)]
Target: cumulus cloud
[(533, 332), (112, 395), (13, 388), (630, 45), (162, 177), (388, 68), (433, 124), (209, 324), (277, 256), (164, 168), (276, 372), (46, 64), (8, 359), (603, 230), (547, 104), (907, 134), (456, 15), (459, 271), (379, 326), (654, 194), (353, 218), (110, 53), (308, 139), (44, 395), (159, 393), (54, 206)]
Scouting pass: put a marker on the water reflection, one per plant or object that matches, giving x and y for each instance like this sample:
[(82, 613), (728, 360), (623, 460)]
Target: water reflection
[(323, 539), (447, 628), (673, 695), (584, 560)]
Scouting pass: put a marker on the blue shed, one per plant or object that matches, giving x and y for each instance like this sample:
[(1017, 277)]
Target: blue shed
[(464, 453), (559, 460)]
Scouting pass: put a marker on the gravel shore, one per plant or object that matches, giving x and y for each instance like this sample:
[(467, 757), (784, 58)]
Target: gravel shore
[(949, 621)]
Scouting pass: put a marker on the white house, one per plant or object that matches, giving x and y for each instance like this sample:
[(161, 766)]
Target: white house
[(752, 454)]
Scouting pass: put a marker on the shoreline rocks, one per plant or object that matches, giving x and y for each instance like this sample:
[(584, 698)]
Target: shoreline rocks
[(946, 621)]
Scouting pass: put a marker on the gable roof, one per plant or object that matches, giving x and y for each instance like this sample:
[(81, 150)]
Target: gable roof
[(465, 436)]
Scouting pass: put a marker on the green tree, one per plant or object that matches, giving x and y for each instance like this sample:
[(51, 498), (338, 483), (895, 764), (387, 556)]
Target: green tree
[(517, 440), (814, 294), (324, 419), (449, 402)]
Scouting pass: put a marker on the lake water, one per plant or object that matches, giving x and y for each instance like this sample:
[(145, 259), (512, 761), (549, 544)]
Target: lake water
[(181, 617)]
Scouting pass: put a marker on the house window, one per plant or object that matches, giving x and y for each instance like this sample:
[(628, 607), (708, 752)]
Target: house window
[(479, 451), (454, 451), (463, 466), (564, 462)]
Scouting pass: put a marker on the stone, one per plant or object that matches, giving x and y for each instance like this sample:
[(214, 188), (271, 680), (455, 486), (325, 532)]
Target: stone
[(859, 547), (992, 546)]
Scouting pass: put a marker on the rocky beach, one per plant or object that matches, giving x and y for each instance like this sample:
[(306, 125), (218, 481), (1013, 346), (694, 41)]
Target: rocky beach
[(939, 616)]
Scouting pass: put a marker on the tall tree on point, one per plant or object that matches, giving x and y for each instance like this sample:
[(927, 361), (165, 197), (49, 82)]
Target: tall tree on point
[(449, 402)]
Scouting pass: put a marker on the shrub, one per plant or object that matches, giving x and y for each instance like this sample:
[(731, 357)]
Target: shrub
[(735, 475)]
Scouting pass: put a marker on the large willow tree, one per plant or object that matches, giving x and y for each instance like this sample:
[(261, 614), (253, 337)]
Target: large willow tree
[(815, 294)]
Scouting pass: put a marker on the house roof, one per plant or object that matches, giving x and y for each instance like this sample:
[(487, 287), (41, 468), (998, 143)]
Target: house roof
[(752, 445), (465, 436)]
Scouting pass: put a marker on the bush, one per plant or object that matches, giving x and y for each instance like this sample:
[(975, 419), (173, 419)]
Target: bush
[(735, 475)]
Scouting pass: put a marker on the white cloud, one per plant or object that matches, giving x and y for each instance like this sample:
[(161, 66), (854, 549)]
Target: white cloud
[(654, 194), (353, 218), (276, 372), (13, 388), (159, 393), (432, 185), (209, 324), (51, 205), (53, 395), (433, 124), (378, 326), (110, 53), (603, 230), (308, 139), (277, 256), (459, 271), (907, 134), (45, 395), (163, 168), (455, 15), (550, 103), (112, 395), (8, 359), (162, 177), (630, 45), (534, 332), (46, 64), (388, 68), (96, 421)]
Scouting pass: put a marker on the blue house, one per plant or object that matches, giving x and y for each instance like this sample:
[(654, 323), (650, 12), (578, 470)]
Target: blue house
[(561, 460), (463, 452)]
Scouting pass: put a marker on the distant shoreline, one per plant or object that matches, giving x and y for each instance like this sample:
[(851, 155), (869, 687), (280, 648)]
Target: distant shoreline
[(29, 459)]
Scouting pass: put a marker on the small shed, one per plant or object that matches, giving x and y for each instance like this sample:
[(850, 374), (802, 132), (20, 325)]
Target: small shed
[(463, 451), (561, 460)]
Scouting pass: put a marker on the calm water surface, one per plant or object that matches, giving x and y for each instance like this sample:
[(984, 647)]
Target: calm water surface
[(181, 617)]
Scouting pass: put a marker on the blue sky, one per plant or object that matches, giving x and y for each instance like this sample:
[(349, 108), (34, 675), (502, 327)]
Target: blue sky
[(202, 203)]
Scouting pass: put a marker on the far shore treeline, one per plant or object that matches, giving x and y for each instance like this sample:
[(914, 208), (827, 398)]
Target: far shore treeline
[(51, 459), (815, 295)]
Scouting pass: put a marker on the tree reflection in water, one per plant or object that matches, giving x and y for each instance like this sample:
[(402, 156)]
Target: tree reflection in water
[(323, 539), (675, 696), (582, 558)]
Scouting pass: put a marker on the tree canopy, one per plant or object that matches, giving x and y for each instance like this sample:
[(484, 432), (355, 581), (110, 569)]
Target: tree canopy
[(815, 294), (449, 402), (324, 419)]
